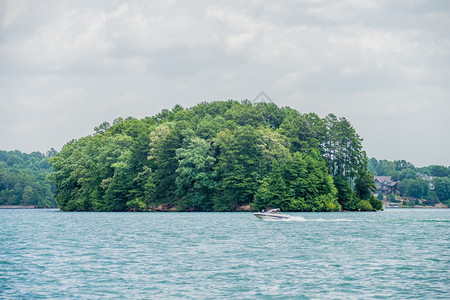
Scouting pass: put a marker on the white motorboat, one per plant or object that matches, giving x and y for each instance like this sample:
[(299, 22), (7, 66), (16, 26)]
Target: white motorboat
[(272, 214)]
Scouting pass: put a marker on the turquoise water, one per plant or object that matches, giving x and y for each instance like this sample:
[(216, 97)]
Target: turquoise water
[(395, 254)]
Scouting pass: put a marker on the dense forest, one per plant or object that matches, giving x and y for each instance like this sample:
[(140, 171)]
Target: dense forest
[(217, 156), (23, 179), (431, 183)]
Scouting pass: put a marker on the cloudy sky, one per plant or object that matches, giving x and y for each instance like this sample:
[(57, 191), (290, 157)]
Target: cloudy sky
[(68, 66)]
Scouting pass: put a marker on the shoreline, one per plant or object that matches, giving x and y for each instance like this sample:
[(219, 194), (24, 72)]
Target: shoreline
[(23, 207), (238, 210)]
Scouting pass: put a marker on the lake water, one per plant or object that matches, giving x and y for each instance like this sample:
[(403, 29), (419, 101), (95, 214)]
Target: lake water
[(394, 254)]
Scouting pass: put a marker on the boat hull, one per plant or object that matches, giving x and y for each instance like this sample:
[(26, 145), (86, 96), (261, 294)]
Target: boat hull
[(268, 216)]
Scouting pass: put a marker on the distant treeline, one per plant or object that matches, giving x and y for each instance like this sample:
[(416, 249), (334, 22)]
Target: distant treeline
[(217, 156), (431, 183), (23, 179)]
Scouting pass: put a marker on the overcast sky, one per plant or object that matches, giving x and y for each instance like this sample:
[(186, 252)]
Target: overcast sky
[(68, 66)]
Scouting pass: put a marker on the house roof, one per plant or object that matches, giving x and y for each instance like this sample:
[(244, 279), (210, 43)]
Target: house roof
[(426, 177), (383, 178)]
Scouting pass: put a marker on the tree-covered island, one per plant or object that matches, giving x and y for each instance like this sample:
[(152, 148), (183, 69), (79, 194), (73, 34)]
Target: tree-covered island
[(217, 156)]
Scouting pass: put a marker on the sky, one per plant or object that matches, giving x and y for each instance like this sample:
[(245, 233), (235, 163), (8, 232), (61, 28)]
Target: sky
[(67, 66)]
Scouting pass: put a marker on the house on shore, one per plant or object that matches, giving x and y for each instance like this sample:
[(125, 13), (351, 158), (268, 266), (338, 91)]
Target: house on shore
[(385, 185)]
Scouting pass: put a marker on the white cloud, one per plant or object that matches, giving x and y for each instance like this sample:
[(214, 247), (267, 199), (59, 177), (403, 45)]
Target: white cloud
[(341, 11), (67, 66), (57, 44), (350, 72)]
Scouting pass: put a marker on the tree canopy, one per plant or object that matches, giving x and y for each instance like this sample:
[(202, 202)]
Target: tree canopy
[(216, 156), (23, 179), (431, 183)]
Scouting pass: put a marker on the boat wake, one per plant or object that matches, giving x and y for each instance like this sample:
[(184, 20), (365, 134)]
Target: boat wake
[(301, 219), (290, 219), (331, 220)]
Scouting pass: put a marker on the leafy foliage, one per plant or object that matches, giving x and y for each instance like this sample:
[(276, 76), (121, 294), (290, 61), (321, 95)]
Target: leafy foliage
[(23, 179), (442, 188), (215, 157), (195, 180), (430, 183)]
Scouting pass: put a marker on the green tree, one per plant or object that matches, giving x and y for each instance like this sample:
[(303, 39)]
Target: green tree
[(298, 131), (364, 185), (213, 156), (136, 205), (364, 205), (407, 174), (238, 167), (314, 186), (195, 176), (273, 191), (27, 196), (364, 189), (163, 148), (439, 171), (416, 188), (401, 165), (143, 192), (102, 128), (376, 203), (345, 193), (118, 186), (23, 179), (442, 188)]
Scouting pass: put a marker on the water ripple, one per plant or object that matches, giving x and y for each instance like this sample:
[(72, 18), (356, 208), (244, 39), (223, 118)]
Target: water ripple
[(402, 255)]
